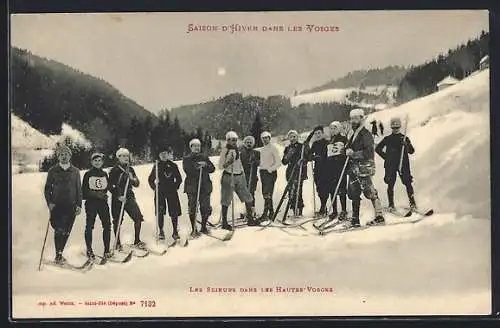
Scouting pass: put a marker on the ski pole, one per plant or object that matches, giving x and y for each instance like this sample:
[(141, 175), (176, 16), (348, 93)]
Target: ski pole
[(157, 201), (339, 182), (403, 145), (120, 218), (232, 194), (314, 188), (299, 184), (198, 193), (43, 246)]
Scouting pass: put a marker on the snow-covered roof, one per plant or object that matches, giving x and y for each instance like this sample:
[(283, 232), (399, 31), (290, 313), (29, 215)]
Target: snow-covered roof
[(447, 80), (485, 58)]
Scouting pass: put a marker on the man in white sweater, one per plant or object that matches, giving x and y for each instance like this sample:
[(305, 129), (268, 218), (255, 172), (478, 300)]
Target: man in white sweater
[(233, 180), (270, 161)]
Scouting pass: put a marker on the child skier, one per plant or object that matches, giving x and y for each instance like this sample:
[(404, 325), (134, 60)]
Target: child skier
[(169, 181), (394, 144), (250, 158), (319, 155), (233, 180), (360, 150), (118, 176), (63, 195), (192, 164), (94, 190), (291, 158), (335, 163), (270, 161)]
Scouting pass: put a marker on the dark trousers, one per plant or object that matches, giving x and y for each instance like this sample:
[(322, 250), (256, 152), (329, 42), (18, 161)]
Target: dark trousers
[(296, 191), (62, 218), (174, 207), (341, 192), (203, 204), (133, 211), (268, 180), (93, 208), (406, 179)]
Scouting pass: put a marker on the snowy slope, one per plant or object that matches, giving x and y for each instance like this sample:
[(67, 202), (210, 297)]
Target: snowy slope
[(438, 266), (330, 95)]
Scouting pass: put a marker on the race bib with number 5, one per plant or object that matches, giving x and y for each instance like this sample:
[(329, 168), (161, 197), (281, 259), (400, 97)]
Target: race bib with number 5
[(98, 183)]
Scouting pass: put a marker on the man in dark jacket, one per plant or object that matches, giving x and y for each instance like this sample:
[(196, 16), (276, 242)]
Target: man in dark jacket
[(169, 181), (318, 154), (292, 156), (250, 158), (335, 163), (361, 168), (390, 149), (94, 190), (118, 177), (192, 164), (63, 194)]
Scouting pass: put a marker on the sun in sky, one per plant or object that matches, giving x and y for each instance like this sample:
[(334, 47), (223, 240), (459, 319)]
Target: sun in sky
[(221, 71)]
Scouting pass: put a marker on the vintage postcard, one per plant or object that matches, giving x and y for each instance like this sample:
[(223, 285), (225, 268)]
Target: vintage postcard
[(332, 163)]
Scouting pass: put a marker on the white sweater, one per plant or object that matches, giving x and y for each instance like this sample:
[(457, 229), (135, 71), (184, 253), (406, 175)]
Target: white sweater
[(270, 158)]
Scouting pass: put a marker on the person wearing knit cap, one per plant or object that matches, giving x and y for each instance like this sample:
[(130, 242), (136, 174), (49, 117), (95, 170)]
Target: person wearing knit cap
[(192, 164), (270, 162), (63, 194), (119, 174), (335, 160), (169, 182), (233, 181), (250, 158), (94, 190), (319, 155), (292, 157), (360, 149)]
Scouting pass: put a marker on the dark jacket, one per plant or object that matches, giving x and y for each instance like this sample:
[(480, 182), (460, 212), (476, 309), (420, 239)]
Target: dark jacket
[(390, 150), (63, 187), (336, 162), (168, 175), (318, 154), (118, 178), (190, 166), (95, 184), (291, 157), (362, 161), (250, 159)]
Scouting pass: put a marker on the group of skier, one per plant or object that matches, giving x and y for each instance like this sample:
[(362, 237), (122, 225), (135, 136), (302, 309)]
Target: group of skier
[(343, 167)]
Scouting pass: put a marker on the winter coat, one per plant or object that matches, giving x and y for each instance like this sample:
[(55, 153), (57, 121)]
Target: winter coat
[(190, 166), (118, 178), (63, 187), (169, 177), (390, 150), (292, 155), (362, 161), (250, 159), (335, 163), (318, 154), (95, 184)]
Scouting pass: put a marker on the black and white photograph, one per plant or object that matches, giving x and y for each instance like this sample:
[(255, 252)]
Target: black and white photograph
[(250, 164)]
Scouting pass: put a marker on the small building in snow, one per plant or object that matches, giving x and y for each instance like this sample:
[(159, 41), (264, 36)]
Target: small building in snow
[(484, 63), (446, 82)]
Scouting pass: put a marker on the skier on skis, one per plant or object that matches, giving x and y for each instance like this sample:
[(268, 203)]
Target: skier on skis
[(374, 128), (233, 180), (270, 161), (361, 168), (94, 190), (63, 195), (293, 155), (335, 162), (192, 164), (118, 176), (250, 158), (169, 181), (390, 149), (318, 154)]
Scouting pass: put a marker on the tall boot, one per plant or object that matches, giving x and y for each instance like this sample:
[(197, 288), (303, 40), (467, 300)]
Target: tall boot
[(355, 213), (343, 205), (225, 224), (390, 197), (137, 233), (175, 232), (161, 221), (106, 238), (194, 230), (265, 213), (411, 196), (204, 228), (270, 209), (377, 207), (249, 215)]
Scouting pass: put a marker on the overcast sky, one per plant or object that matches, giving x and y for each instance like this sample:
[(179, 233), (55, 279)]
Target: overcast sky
[(152, 59)]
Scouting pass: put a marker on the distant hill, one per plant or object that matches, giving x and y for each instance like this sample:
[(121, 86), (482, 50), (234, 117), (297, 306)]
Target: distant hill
[(46, 94), (389, 76)]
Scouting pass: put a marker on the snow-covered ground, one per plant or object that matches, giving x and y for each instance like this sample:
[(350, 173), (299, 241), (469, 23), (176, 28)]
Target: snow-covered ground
[(438, 266)]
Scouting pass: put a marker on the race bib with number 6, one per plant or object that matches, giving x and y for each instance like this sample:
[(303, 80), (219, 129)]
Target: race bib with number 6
[(98, 183)]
